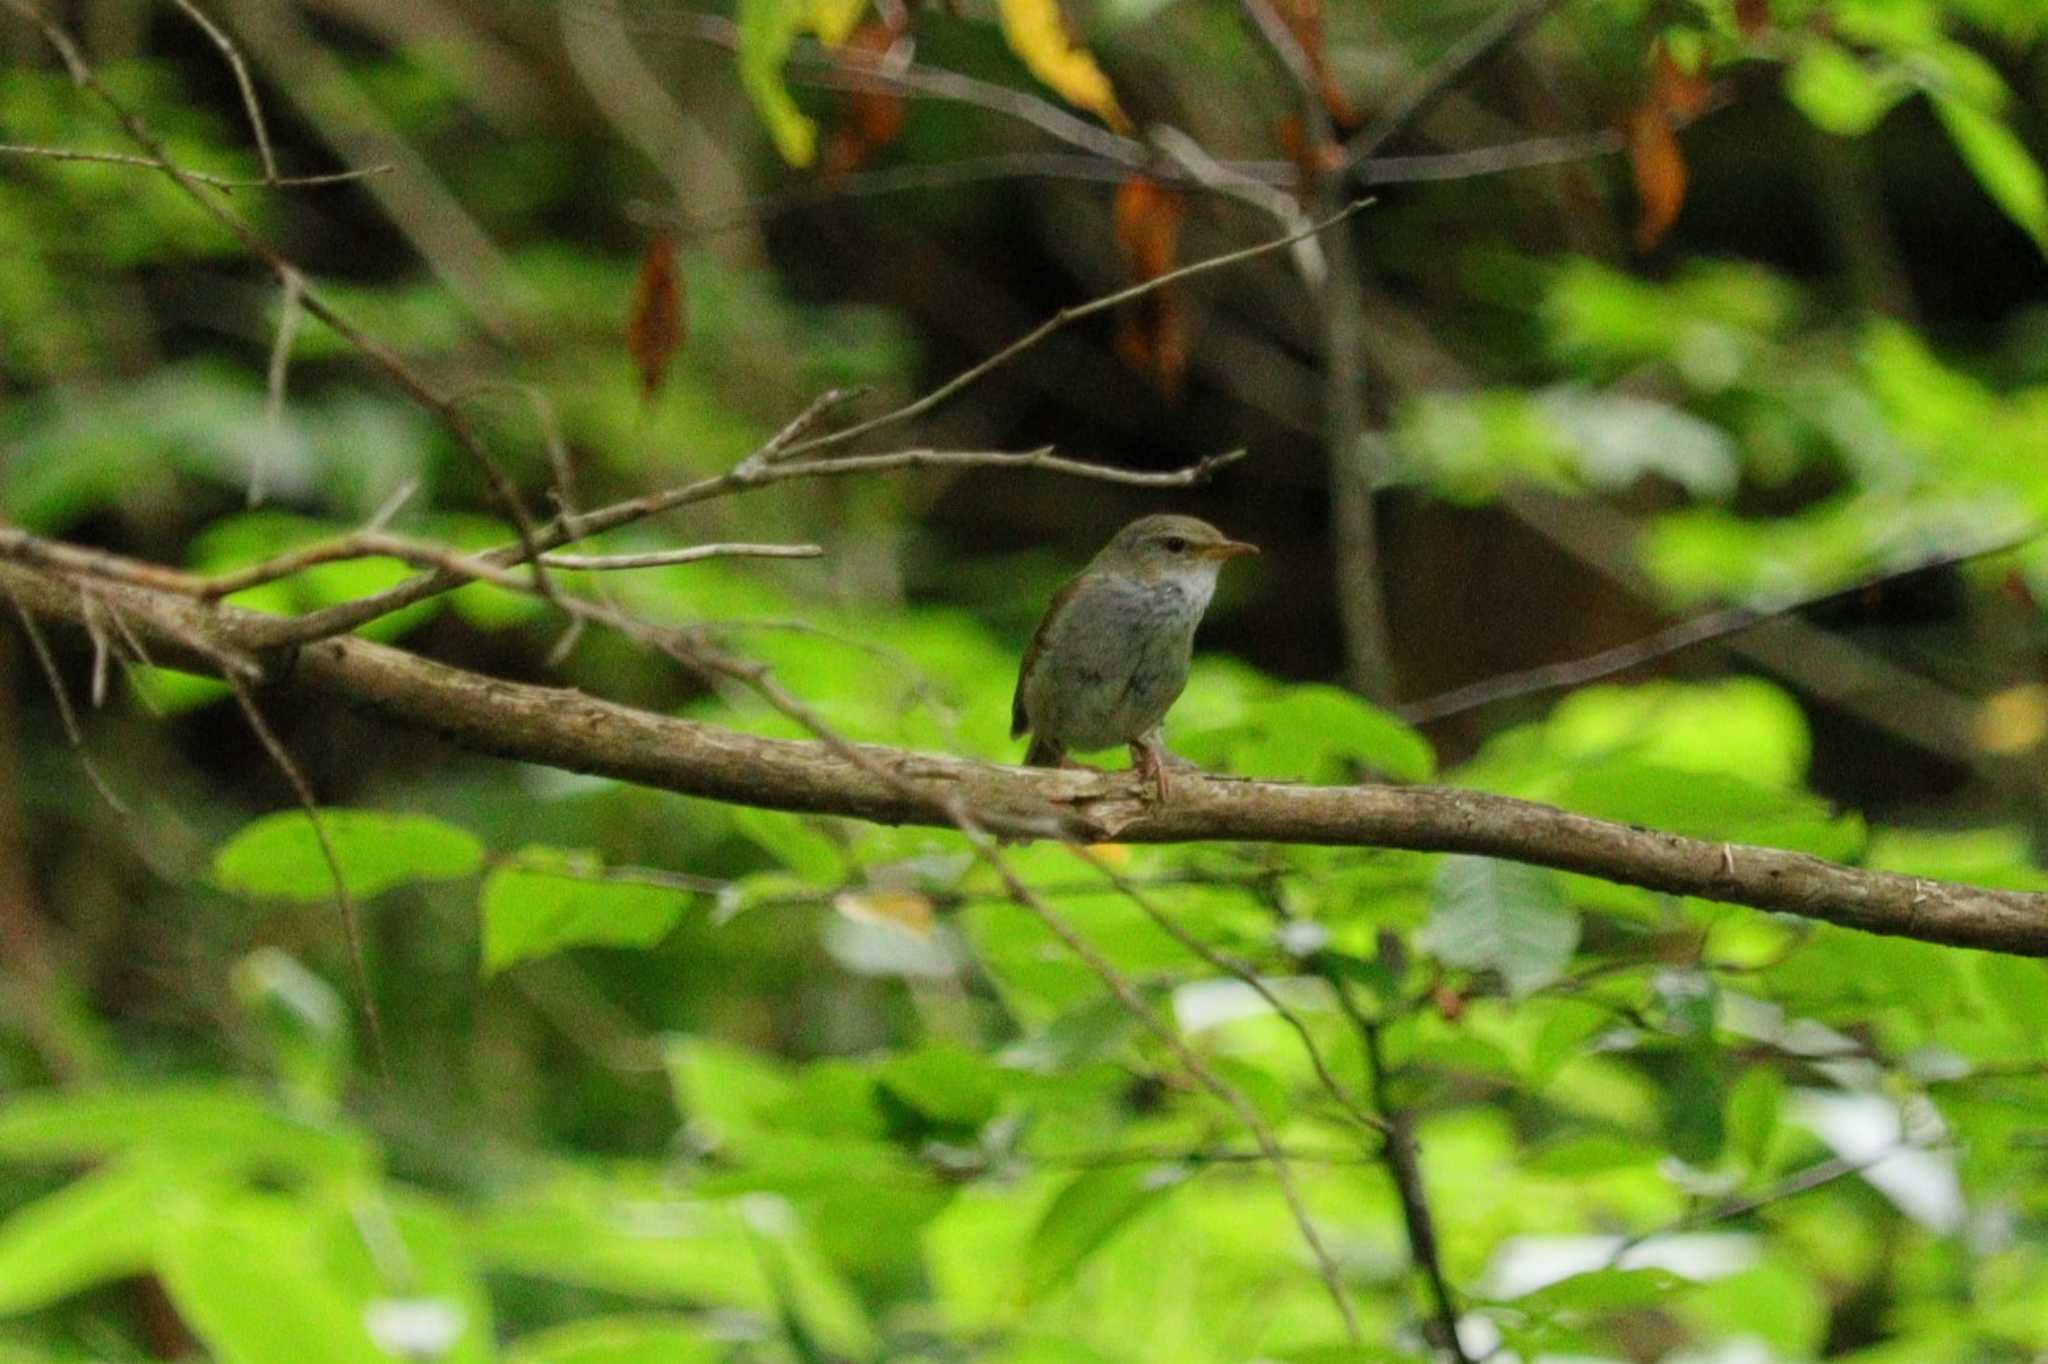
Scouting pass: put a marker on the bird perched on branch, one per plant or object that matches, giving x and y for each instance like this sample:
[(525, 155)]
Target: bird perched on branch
[(1112, 653)]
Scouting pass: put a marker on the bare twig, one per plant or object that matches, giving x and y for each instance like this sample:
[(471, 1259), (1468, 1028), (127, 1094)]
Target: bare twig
[(662, 558), (1405, 1168), (1669, 640), (1803, 1181), (381, 355), (1409, 107), (748, 473), (1063, 317), (351, 920), (220, 182), (65, 714), (837, 70), (1127, 994), (257, 127), (1246, 973), (1352, 454)]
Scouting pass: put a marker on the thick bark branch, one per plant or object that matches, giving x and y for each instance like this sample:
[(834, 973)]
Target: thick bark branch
[(566, 729)]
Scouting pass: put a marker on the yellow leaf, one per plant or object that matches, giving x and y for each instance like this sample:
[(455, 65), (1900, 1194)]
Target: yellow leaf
[(834, 20), (2014, 720), (1037, 32)]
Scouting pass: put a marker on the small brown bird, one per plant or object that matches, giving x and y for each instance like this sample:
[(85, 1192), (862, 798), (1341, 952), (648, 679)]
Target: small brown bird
[(1112, 654)]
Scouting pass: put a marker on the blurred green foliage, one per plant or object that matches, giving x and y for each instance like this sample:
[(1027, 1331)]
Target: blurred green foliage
[(670, 1080)]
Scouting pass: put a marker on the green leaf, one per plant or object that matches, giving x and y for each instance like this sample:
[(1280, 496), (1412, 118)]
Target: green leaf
[(246, 1280), (546, 899), (796, 841), (198, 1119), (1752, 1114), (99, 1227), (2001, 858), (768, 28), (1082, 1217), (279, 857), (1501, 916), (1605, 1290), (945, 1082), (729, 1088), (1323, 733), (1838, 92), (2001, 163), (1590, 1155), (1711, 805), (640, 1238), (617, 1340)]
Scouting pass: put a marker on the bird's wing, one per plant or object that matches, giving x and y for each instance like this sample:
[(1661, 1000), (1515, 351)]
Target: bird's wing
[(1019, 720)]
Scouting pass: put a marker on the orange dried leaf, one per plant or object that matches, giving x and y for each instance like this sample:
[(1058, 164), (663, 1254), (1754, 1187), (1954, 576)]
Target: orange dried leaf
[(1304, 19), (874, 117), (1152, 336), (1148, 216), (1660, 174), (654, 331), (1682, 95)]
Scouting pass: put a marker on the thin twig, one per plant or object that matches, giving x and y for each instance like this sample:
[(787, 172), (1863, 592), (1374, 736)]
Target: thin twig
[(837, 70), (1404, 1166), (1245, 972), (351, 920), (1127, 994), (220, 182), (1409, 107), (1102, 303), (1803, 1181), (662, 558), (380, 354), (1671, 639), (748, 473), (65, 714), (257, 127)]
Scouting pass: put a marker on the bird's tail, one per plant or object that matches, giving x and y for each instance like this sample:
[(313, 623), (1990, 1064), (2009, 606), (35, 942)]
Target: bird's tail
[(1043, 752)]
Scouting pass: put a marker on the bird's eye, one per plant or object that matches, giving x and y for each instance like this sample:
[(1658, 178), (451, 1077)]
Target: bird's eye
[(1176, 545)]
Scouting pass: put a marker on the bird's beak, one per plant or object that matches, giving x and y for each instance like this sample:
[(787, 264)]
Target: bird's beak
[(1227, 549)]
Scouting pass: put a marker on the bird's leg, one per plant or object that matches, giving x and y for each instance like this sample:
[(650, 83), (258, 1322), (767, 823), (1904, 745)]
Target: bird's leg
[(1149, 759)]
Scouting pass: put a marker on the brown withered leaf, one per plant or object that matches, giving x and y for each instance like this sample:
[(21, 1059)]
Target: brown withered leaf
[(1660, 174), (654, 331), (1152, 336), (1752, 16), (873, 118)]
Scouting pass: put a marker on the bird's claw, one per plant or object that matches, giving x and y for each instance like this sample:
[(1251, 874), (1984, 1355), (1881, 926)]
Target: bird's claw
[(1149, 762)]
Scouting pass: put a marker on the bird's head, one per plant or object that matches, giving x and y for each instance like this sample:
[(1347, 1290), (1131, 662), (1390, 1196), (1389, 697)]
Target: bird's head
[(1169, 547)]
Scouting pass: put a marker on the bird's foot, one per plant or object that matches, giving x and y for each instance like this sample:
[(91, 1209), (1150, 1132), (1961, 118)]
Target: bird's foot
[(1150, 760)]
